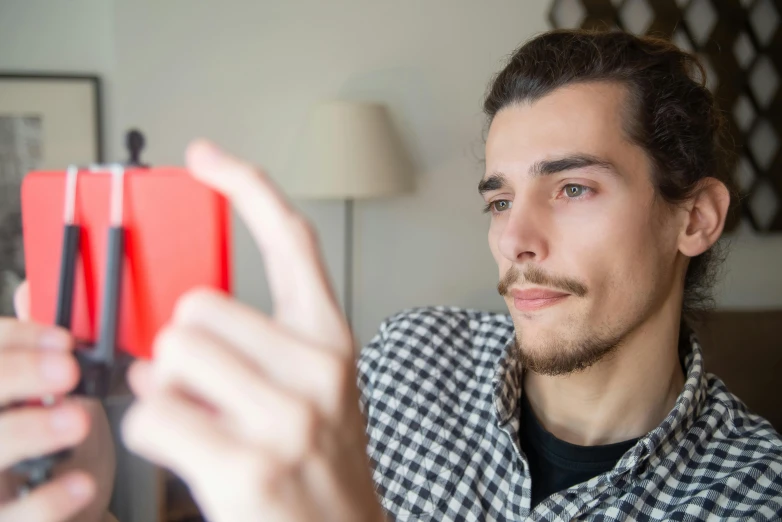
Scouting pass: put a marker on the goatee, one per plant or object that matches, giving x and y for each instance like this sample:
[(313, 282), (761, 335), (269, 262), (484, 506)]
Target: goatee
[(558, 356), (561, 357)]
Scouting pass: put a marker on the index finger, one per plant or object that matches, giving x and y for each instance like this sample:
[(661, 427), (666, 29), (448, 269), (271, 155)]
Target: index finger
[(302, 295)]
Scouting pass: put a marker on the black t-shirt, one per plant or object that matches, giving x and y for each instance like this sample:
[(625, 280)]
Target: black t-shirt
[(555, 464)]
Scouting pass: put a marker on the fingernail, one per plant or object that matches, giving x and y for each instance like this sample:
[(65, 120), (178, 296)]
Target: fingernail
[(54, 369), (78, 486), (62, 419), (54, 339)]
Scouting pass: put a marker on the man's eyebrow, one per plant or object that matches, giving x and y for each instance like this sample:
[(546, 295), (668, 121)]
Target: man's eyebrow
[(570, 162), (498, 180), (493, 182)]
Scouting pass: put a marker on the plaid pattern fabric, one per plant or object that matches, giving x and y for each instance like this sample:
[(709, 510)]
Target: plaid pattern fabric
[(440, 392)]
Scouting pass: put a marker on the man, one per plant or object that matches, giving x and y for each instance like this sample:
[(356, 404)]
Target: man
[(588, 401), (607, 194)]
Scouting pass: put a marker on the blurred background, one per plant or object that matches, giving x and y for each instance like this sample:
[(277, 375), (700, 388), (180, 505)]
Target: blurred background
[(247, 73)]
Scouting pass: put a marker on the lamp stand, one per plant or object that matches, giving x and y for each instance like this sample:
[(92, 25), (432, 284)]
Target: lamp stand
[(349, 261)]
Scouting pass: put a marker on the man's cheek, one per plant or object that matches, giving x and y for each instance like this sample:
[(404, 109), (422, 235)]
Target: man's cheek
[(494, 246)]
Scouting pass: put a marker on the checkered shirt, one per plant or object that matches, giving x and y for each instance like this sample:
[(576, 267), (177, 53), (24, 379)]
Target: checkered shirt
[(440, 390)]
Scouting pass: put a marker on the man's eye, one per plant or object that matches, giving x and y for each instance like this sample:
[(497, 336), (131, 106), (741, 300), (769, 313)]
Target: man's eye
[(574, 191), (500, 205)]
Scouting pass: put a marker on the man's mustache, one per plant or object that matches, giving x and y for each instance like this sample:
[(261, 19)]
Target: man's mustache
[(536, 276)]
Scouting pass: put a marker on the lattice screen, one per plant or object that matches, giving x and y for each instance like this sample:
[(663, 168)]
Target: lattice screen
[(740, 45)]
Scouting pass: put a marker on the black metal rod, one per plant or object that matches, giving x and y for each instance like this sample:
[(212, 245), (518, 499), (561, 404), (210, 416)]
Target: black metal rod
[(70, 251), (107, 337)]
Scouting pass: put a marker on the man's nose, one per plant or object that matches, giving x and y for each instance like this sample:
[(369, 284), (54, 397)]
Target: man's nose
[(524, 236)]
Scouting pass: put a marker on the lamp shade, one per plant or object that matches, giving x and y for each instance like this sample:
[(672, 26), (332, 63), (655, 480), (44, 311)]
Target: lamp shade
[(348, 150)]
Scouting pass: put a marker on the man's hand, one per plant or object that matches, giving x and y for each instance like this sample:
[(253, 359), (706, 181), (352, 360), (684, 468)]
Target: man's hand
[(258, 414), (35, 361)]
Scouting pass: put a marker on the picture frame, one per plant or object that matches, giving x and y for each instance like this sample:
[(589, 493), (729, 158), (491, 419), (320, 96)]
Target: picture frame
[(47, 121)]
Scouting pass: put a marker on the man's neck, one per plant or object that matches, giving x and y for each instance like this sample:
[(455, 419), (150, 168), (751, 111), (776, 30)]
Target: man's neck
[(620, 398)]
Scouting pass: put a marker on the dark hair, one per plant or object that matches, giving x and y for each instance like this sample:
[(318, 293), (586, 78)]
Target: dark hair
[(673, 115)]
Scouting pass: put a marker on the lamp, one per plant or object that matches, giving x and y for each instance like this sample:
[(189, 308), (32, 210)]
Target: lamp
[(348, 151)]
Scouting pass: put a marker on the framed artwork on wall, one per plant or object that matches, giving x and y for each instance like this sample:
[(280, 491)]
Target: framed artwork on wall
[(47, 121)]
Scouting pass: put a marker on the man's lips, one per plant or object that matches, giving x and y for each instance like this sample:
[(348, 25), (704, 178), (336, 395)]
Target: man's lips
[(536, 298)]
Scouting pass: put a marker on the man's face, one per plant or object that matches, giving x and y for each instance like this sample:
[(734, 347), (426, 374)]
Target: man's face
[(586, 252)]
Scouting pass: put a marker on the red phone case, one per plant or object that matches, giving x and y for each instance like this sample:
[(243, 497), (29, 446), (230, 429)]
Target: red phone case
[(177, 237)]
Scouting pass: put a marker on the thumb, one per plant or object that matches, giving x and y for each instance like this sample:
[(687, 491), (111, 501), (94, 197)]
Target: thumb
[(22, 301)]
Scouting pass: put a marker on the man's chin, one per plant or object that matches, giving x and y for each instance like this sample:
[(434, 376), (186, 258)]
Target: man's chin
[(554, 351)]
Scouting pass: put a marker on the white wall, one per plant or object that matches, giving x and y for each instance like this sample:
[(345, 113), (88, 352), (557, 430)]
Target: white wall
[(752, 274), (245, 72), (71, 36)]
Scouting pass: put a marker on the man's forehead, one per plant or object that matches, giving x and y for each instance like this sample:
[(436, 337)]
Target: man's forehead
[(588, 117)]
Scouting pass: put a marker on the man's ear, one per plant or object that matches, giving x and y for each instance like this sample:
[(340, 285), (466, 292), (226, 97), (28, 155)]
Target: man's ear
[(705, 218)]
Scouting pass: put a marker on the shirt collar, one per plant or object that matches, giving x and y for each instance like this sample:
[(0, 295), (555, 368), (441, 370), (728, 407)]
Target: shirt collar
[(507, 392), (507, 383), (686, 410)]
